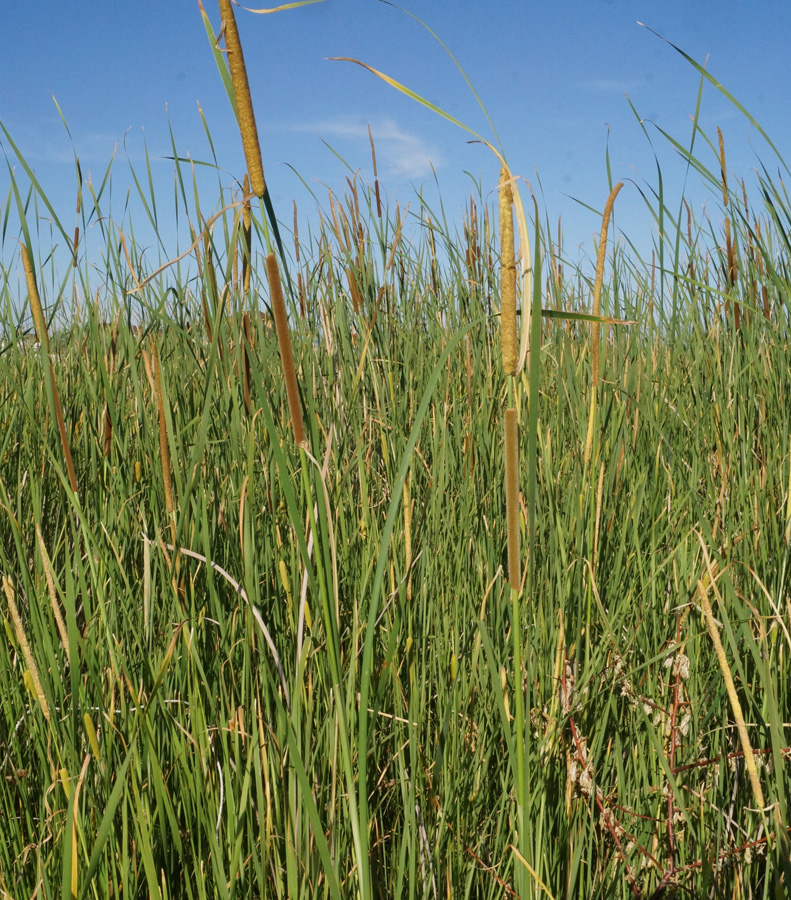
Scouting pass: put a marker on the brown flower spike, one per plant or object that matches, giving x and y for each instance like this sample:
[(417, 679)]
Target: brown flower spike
[(244, 102)]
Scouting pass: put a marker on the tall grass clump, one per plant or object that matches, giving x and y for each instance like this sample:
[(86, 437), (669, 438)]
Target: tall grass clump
[(429, 644)]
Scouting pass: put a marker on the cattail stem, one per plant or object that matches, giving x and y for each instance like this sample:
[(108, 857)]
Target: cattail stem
[(508, 276), (408, 538), (512, 497), (244, 103), (247, 236), (284, 345)]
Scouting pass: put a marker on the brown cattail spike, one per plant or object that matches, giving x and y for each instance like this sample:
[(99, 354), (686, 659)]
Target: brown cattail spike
[(508, 276), (284, 344), (723, 169), (244, 103), (376, 178)]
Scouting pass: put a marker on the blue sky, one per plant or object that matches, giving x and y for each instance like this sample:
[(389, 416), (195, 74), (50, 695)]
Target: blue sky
[(552, 76)]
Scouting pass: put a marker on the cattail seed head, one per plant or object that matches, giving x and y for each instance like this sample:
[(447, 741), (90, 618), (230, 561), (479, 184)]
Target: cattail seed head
[(284, 344), (508, 276), (35, 300), (600, 260), (244, 103)]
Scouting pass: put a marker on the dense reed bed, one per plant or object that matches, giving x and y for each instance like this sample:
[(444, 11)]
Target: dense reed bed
[(259, 630)]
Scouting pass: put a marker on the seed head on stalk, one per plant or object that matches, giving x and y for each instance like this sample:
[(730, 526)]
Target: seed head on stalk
[(284, 345), (508, 276), (244, 102)]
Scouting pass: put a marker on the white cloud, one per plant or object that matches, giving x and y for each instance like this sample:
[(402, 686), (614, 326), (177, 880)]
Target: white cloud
[(406, 152)]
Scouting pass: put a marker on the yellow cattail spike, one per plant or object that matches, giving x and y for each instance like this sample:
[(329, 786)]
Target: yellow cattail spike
[(595, 326), (90, 731), (508, 276), (35, 300), (244, 102)]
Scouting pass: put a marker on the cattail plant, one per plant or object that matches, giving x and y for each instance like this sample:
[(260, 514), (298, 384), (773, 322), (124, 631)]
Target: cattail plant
[(508, 267), (244, 102), (596, 325), (43, 338), (597, 286), (298, 264), (731, 270), (77, 226), (376, 177), (284, 345)]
